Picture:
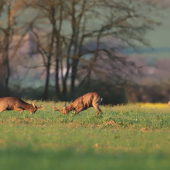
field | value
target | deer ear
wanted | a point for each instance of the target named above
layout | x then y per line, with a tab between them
64	105
33	104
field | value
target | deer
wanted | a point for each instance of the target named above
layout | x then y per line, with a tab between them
91	99
11	103
169	103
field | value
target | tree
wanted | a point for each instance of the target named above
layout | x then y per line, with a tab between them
82	28
10	10
46	44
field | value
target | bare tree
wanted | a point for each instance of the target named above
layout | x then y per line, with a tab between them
10	11
125	21
79	29
50	12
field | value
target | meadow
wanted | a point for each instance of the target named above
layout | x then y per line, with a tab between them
132	136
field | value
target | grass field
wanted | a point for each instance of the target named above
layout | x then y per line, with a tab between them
132	136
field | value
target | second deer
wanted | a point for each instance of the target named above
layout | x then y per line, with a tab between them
11	103
82	103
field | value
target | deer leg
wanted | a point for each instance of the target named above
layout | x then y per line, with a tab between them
18	109
96	106
78	110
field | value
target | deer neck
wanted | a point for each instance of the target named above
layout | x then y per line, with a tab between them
70	107
27	106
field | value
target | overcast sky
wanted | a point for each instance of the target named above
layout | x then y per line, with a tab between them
160	37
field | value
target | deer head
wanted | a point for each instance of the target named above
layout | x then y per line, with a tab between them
63	111
35	108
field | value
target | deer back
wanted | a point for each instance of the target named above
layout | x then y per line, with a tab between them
11	102
87	100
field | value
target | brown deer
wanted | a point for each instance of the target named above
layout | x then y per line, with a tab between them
82	103
11	103
169	103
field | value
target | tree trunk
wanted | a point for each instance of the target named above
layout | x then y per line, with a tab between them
64	87
7	63
6	52
74	74
45	95
57	86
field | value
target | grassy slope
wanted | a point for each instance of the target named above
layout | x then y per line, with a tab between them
123	137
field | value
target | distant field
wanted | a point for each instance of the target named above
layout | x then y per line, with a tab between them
132	136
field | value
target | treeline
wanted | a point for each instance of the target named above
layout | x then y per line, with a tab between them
79	41
150	92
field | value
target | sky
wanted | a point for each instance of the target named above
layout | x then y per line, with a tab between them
159	39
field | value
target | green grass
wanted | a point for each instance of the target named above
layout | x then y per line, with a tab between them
123	137
129	116
70	160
